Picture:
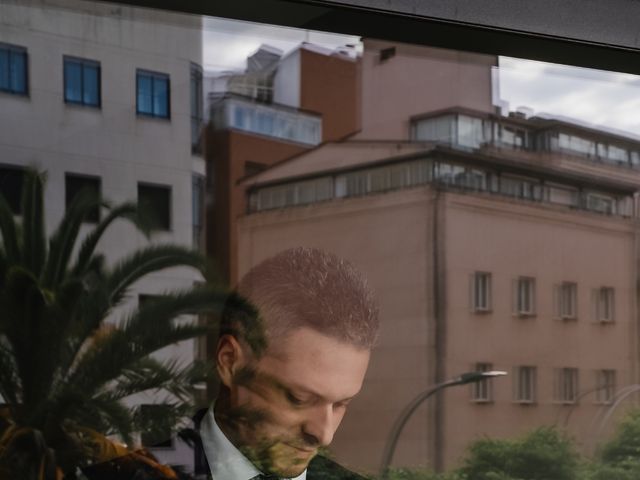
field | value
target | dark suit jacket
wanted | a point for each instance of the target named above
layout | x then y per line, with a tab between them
320	468
130	467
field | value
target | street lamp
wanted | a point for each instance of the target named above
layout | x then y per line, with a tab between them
390	447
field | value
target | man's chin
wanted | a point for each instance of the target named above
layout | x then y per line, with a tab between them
290	461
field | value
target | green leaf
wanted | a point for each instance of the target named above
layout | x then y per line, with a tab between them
33	236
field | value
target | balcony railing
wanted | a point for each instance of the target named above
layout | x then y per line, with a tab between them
269	120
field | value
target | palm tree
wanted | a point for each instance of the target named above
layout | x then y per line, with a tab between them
64	371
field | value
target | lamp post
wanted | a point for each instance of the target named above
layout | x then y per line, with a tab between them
390	447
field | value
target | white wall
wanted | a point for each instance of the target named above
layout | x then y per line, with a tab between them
111	142
286	84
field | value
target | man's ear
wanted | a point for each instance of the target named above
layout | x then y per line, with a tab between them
230	357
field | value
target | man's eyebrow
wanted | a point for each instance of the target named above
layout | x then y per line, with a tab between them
304	390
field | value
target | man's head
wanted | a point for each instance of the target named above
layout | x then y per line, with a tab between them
320	322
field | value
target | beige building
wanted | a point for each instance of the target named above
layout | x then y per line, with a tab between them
280	106
101	96
493	242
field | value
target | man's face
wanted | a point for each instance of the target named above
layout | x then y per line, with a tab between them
291	400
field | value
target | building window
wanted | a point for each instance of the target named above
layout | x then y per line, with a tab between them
11	181
565	300
603	300
82	81
157	434
153	94
196	108
197	211
482	391
566	385
89	185
13	69
155	202
605	385
525	384
481	292
524	296
600	203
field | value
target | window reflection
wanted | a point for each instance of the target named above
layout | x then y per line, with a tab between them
496	238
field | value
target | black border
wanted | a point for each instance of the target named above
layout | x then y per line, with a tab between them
367	22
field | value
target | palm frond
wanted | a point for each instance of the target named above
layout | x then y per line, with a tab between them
127	211
149	260
168	376
106	415
159	422
64	238
147	330
10	387
9	233
33	235
145	374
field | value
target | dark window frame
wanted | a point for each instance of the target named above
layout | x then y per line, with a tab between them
164	444
95	216
196	80
153	75
12	49
83	62
168	225
15	204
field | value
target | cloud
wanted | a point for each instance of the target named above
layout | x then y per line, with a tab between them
594	96
227	43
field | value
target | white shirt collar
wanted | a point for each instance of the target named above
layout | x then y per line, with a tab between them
225	460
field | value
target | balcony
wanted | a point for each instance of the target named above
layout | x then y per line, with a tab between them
265	119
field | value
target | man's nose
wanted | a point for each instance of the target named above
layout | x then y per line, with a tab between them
320	425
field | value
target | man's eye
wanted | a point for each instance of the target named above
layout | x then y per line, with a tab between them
292	399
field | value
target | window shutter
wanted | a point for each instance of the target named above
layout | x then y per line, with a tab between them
533	297
472	295
556	302
595	305
515	294
613	305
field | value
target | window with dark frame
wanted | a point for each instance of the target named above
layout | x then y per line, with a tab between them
605	386
196	108
566	385
565	300
11	182
481	292
197	210
482	391
155	201
525	384
86	185
82	82
152	94
603	303
13	69
165	440
525	296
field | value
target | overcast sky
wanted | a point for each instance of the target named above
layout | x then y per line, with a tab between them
599	98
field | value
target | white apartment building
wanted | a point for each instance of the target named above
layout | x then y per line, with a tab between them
107	96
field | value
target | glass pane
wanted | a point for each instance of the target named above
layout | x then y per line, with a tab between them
73	81
91	82
145	89
18	72
4	69
161	97
483	208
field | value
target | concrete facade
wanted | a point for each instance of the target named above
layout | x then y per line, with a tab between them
422	217
309	84
112	142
